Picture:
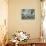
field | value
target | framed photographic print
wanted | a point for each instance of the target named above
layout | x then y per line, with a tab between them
28	14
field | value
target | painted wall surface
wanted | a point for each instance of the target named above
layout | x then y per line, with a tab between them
16	23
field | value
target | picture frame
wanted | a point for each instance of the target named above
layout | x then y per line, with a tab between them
28	13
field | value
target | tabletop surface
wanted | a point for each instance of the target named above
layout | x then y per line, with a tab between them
33	41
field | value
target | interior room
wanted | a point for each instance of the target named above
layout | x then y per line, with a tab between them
22	22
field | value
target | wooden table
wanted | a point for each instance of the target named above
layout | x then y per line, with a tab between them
10	44
33	42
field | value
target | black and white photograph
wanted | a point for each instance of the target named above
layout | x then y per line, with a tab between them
28	13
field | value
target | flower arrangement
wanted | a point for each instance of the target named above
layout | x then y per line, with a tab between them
21	36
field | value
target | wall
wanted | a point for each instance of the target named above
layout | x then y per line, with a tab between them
15	21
